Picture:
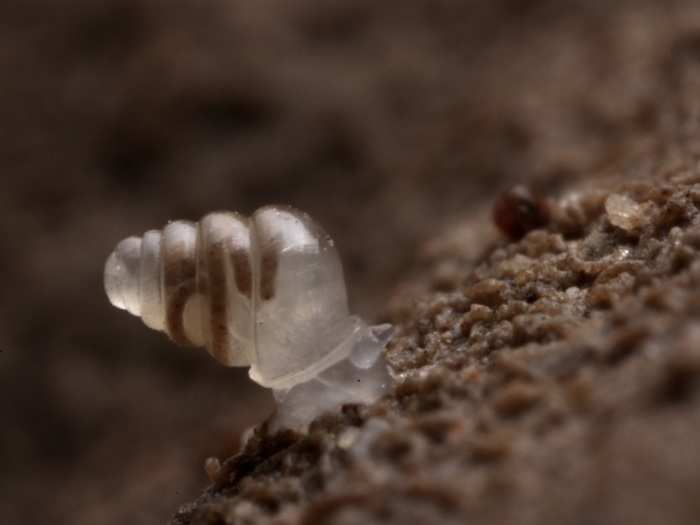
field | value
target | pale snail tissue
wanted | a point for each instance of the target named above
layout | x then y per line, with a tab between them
266	292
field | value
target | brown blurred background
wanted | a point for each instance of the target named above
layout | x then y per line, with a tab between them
386	121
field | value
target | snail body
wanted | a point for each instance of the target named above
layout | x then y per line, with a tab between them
266	292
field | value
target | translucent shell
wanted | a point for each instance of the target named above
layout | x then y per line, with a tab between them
266	291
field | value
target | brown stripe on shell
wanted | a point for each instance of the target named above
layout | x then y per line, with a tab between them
179	284
240	257
269	260
218	301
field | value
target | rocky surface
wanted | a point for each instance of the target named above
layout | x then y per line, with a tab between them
547	378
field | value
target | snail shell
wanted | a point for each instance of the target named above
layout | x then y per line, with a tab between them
266	291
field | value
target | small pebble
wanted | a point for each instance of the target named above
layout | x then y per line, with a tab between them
518	211
212	466
625	213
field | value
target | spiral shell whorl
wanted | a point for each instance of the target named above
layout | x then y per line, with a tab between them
122	275
224	284
179	281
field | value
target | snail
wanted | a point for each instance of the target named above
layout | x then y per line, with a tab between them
266	292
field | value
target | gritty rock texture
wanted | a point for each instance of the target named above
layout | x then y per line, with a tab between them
554	380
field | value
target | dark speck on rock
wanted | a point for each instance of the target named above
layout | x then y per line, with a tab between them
519	211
